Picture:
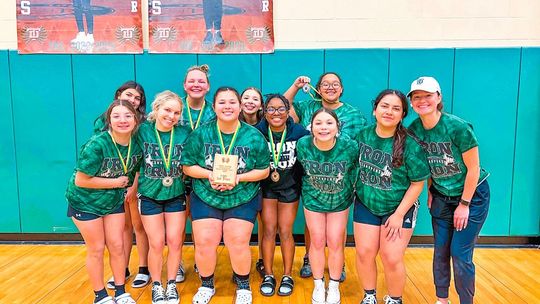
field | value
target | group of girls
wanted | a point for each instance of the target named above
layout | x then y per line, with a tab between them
320	150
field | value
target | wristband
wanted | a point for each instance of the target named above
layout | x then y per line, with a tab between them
464	202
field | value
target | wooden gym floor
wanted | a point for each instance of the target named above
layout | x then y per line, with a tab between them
56	274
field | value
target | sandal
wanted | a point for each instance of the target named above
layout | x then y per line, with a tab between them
268	286
286	286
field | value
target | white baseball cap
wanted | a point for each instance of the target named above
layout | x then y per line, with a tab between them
425	83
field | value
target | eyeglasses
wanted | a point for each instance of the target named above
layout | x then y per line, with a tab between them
272	110
335	85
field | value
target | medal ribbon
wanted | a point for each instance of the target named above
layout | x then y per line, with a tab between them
276	156
167	159
198	118
125	163
307	89
232	141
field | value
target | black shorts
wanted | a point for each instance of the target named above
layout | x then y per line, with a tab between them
149	206
283	196
247	212
363	215
86	216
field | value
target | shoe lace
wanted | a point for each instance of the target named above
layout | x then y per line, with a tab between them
369	299
388	300
171	292
158	292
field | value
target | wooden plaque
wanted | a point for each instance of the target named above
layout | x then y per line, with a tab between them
224	171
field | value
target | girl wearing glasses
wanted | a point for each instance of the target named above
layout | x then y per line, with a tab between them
329	89
329	164
280	191
225	209
392	171
106	167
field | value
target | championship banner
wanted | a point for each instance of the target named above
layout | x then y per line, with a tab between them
210	26
79	26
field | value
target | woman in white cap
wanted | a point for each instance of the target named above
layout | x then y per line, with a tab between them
459	193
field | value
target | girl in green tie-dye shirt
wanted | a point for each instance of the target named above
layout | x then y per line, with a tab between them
106	167
329	164
392	170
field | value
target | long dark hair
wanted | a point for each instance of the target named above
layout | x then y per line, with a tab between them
260	113
400	135
141	109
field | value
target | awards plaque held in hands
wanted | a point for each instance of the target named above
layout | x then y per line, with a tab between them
225	167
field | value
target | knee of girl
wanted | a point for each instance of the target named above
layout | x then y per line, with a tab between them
365	254
116	249
95	251
269	231
157	245
285	234
391	261
318	243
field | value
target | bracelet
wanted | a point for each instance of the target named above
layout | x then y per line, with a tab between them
464	202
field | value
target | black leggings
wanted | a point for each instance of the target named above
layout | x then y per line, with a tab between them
213	12
81	7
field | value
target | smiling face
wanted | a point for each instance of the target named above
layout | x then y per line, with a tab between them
425	103
122	120
196	84
330	88
168	114
276	113
389	111
324	127
131	95
251	102
227	106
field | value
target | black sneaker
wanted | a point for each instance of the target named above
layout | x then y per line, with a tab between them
172	293
158	294
305	271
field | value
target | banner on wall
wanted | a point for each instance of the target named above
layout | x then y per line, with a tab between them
210	26
79	26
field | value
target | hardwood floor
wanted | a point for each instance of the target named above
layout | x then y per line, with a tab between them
57	274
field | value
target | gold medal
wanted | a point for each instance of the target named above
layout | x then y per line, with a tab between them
167	181
274	176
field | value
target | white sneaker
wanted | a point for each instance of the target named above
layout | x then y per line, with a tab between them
203	295
333	296
81	36
106	300
388	300
125	298
180	274
110	283
158	294
90	38
172	294
319	293
243	296
369	299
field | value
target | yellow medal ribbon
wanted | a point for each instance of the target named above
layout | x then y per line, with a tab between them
198	118
307	89
232	141
276	156
167	159
125	163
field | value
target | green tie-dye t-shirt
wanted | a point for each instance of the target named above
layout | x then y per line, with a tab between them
328	176
252	151
207	115
379	186
153	166
350	118
444	145
98	157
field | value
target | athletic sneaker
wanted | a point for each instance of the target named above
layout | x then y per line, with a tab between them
343	275
208	38
243	296
172	294
203	295
369	298
106	300
388	300
158	294
333	296
81	37
124	298
305	271
218	39
319	294
180	274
